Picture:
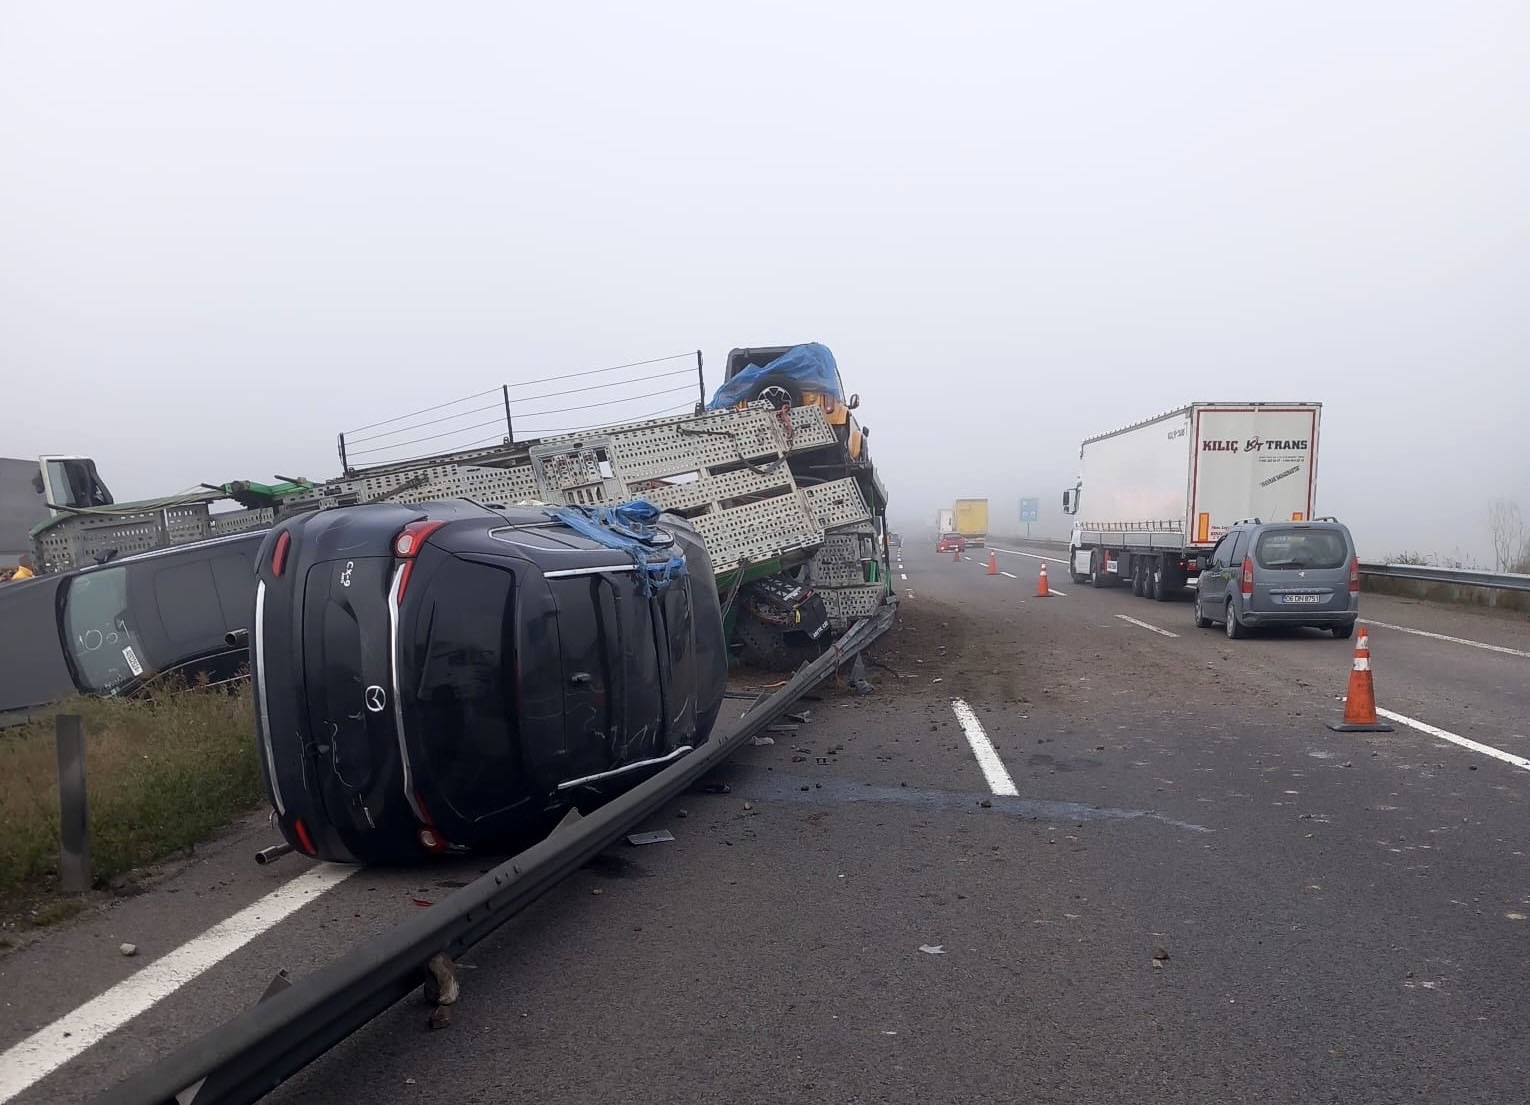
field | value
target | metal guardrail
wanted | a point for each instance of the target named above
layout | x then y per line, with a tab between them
1461	577
261	1048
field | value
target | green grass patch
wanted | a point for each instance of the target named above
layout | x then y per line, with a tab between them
162	774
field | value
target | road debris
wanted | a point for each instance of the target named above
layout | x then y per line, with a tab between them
129	949
658	836
1160	957
933	949
759	742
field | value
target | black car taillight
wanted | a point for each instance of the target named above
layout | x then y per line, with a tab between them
279	553
407	545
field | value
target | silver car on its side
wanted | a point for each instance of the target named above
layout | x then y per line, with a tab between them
1281	573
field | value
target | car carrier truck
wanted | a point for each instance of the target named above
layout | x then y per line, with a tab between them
1152	499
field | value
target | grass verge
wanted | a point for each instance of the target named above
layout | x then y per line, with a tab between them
162	774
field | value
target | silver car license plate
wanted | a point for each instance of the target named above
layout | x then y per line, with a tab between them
1304	598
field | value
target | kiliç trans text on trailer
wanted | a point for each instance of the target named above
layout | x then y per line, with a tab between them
1152	499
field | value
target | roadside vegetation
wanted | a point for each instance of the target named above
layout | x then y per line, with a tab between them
162	774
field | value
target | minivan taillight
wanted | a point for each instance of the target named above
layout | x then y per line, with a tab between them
279	553
1248	576
1354	575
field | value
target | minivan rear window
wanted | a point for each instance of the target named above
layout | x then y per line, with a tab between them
1293	549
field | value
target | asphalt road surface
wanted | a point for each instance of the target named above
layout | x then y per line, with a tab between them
1058	856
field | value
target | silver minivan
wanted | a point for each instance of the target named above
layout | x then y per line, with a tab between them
1281	573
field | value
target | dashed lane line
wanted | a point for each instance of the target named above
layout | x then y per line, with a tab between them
987	757
1146	625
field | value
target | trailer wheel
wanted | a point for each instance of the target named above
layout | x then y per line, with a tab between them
1139	577
1168	580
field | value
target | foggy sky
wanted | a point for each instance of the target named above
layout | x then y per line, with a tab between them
231	231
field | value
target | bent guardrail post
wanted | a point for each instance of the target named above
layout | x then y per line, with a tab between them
261	1048
73	812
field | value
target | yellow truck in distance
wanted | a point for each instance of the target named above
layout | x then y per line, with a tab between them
972	520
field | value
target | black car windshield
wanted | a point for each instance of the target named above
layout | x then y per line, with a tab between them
99	634
1300	548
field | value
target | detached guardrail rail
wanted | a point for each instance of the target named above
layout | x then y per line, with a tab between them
258	1050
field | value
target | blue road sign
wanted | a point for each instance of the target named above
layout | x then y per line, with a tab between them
1030	510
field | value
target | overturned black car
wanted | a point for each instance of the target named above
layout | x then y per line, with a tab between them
449	676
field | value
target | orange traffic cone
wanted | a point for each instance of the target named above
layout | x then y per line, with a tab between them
993	563
1043	588
1360	703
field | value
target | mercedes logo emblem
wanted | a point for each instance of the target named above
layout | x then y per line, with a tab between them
377	698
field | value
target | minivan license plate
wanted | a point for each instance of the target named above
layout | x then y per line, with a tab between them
1304	598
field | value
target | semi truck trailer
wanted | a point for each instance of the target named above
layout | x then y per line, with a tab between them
1153	498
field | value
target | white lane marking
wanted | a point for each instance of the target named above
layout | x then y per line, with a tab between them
49	1048
1453	640
1145	625
988	759
1033	556
904	575
1444	734
1010	574
1062	594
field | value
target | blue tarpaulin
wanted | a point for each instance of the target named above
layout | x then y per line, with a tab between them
810	366
629	528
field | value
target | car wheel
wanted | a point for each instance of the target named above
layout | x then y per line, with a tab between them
778	391
1201	621
1344	632
1235	628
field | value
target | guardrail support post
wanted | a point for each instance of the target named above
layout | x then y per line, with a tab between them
74	823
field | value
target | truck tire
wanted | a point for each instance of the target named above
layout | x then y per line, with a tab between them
1098	576
1235	628
1139	577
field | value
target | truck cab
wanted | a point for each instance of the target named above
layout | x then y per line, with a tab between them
34	490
